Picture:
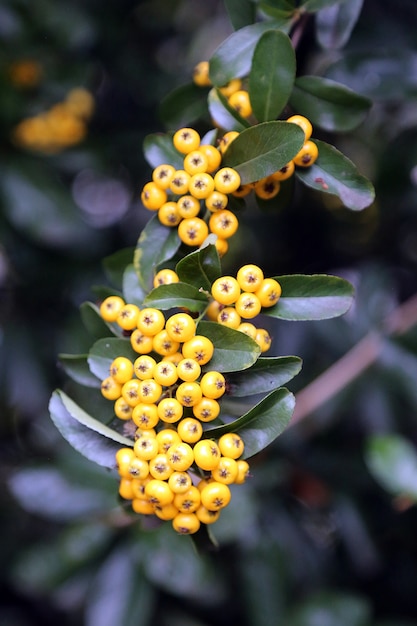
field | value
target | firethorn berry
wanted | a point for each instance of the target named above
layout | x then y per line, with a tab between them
179	182
267	188
180	456
201	74
231	445
146	448
205	516
303	123
165	373
213	384
128	316
121	369
215	496
213	310
227	139
190	430
143	366
242	191
188	206
186	523
242	471
239	100
141	343
225	290
186	140
152	196
248	329
111	307
123	457
248	305
195	162
188	370
122	410
216	201
263	339
174	358
150	321
158	492
162	175
249	277
206	410
144	507
206	454
139	468
125	489
201	185
189	501
149	391
226	180
170	410
163	344
193	231
285	172
165	277
111	389
268	292
130	391
180	327
169	214
223	223
214	157
199	348
179	482
145	416
229	317
159	467
233	85
166	512
166	438
226	471
188	394
307	155
221	246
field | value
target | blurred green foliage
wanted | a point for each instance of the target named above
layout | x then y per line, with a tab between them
324	533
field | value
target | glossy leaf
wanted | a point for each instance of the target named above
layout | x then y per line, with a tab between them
133	291
177	295
104	351
233	58
267	374
183	105
278	9
272	75
223	114
159	149
157	244
115	264
233	350
262	424
76	367
241	12
200	268
329	104
263	149
311	297
312	6
392	460
84	433
94	323
334	24
334	173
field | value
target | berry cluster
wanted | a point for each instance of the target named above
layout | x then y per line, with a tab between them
194	198
237	97
172	471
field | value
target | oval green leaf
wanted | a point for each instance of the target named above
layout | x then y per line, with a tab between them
262	424
183	105
241	12
278	8
104	351
311	297
84	433
233	350
200	268
272	75
334	24
223	114
392	460
267	374
263	149
334	173
133	291
159	149
329	104
76	367
312	6
177	295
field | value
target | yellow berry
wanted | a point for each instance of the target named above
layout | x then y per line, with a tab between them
206	410
186	140
145	416
150	321
213	384
249	277
188	370
214	157
180	327
231	445
225	290
248	305
164	345
303	123
142	344
179	182
233	85
162	175
165	277
188	393
206	454
267	188
268	292
226	180
169	215
199	348
143	366
216	201
111	389
188	206
165	373
226	472
170	410
152	196
239	100
215	496
128	316
285	172
186	523
190	429
307	155
195	162
193	231
229	317
201	74
121	369
111	307
227	139
223	223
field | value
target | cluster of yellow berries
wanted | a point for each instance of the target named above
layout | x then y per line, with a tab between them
235	93
61	126
194	198
171	472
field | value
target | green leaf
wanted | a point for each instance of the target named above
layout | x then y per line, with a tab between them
200	268
84	433
159	149
262	424
278	9
94	323
233	58
133	292
223	114
312	6
177	295
241	12
233	350
104	351
183	105
329	104
334	173
334	24
115	264
157	244
263	149
267	374
272	75
311	297
392	460
76	366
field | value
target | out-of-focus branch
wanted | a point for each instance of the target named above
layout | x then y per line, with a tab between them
354	362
